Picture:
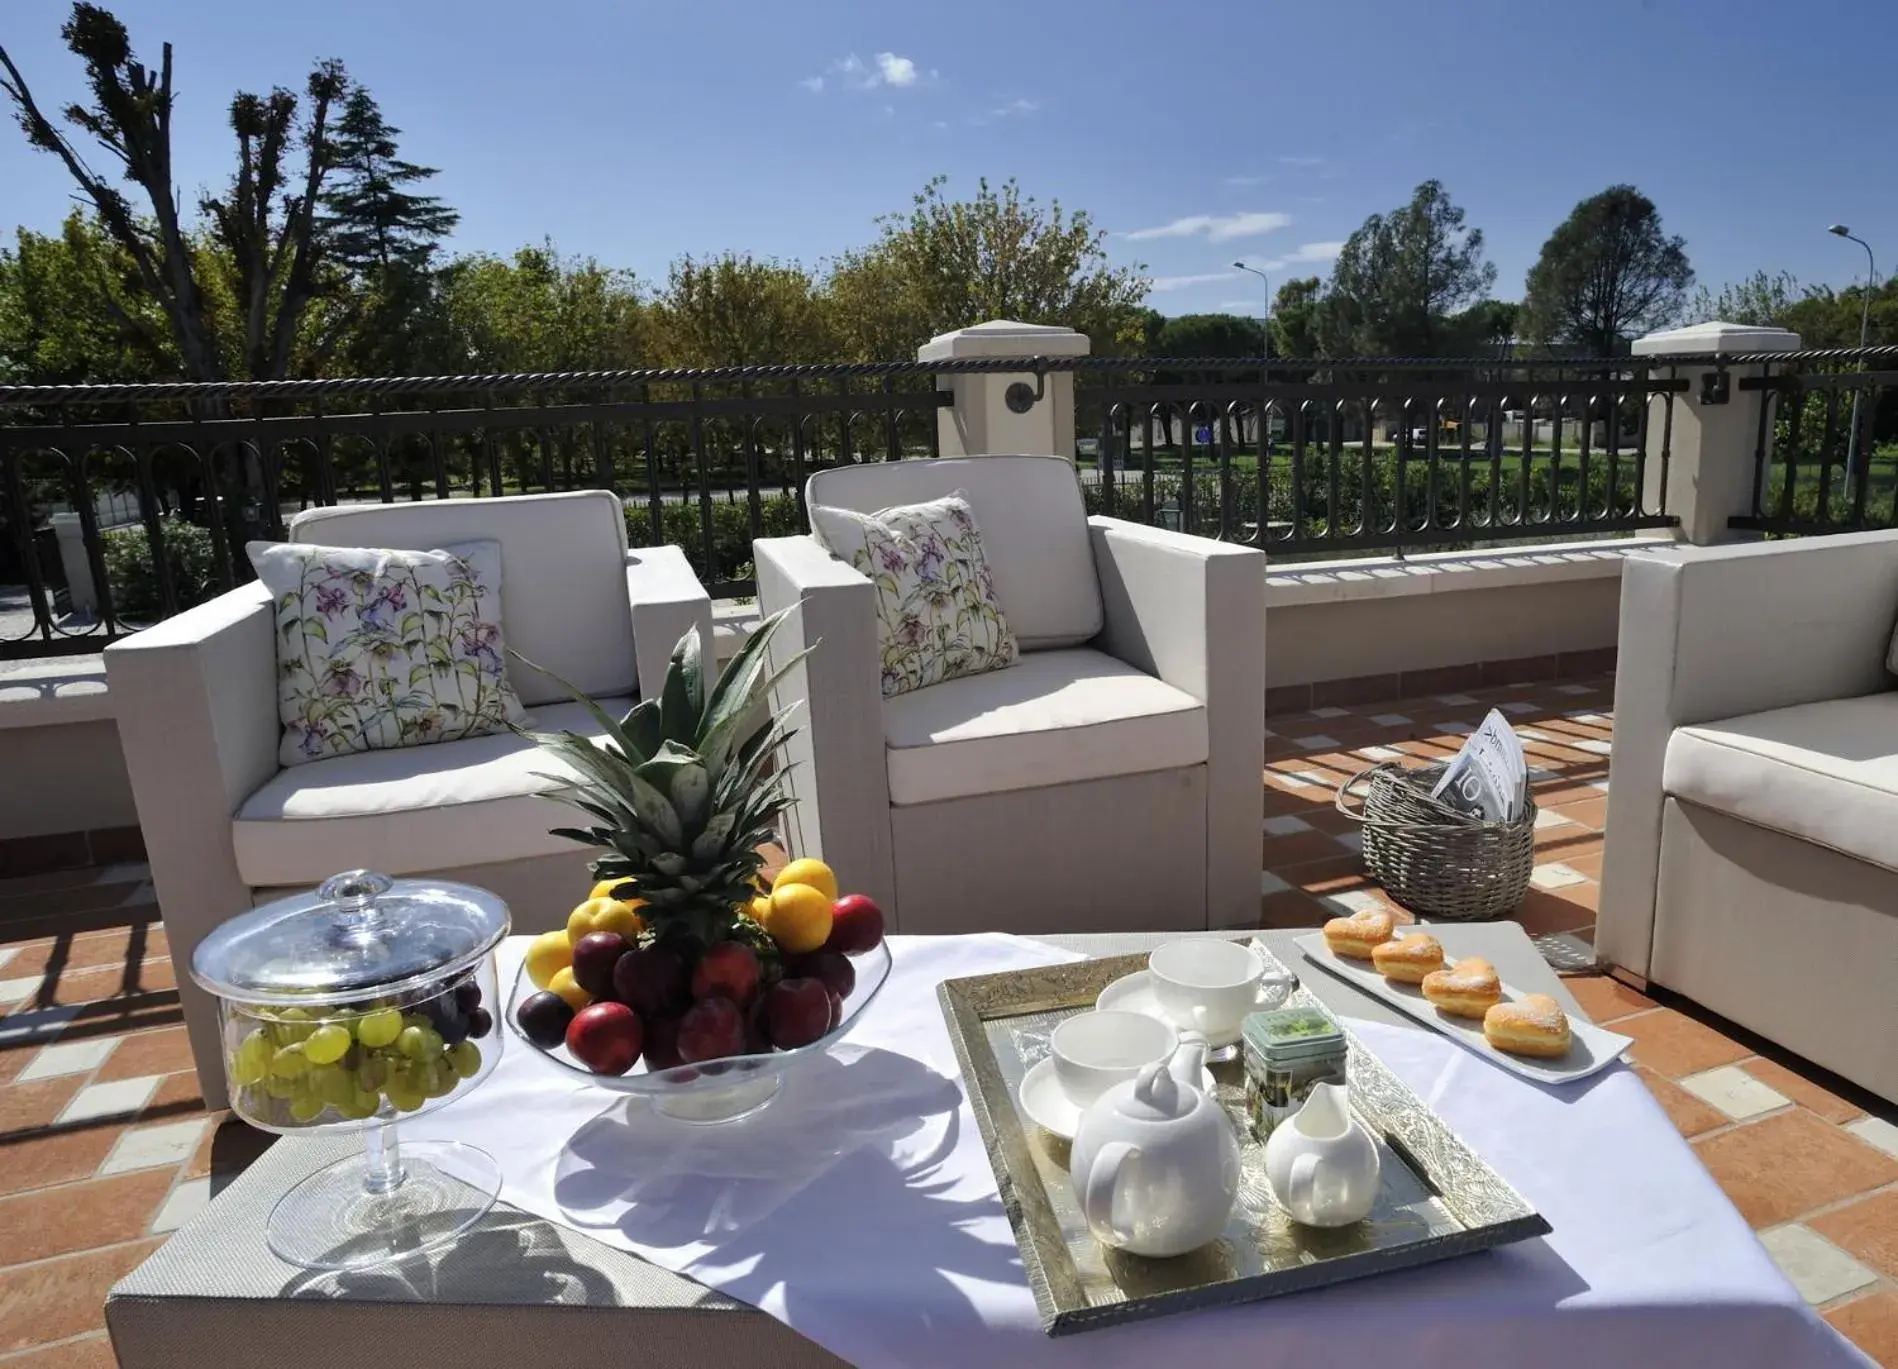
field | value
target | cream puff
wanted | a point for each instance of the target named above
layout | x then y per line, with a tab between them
1360	934
1532	1025
1408	958
1468	988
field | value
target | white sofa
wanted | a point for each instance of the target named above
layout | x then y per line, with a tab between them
1110	781
1751	860
225	827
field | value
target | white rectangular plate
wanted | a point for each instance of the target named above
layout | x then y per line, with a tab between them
1590	1048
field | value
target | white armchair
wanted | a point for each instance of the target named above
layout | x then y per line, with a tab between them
1110	781
225	827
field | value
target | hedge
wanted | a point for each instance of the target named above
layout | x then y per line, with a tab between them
132	572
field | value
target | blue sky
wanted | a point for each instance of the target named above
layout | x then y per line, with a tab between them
1196	132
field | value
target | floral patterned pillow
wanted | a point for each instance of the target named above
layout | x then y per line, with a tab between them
937	615
380	649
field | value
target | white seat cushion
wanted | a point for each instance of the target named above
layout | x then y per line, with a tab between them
563	576
1825	773
1055	718
420	808
1034	531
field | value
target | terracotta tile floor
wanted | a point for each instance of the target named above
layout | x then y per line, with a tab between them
105	1144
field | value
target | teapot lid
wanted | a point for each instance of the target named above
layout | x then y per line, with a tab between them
1156	1096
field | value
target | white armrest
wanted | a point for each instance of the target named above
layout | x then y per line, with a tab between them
668	601
841	780
1718	632
196	702
1192	611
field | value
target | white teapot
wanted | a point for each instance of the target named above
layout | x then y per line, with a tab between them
1321	1163
1154	1163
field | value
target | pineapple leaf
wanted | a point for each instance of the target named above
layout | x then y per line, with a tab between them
655	810
607	722
711	842
737	688
587	836
681	776
643	728
716	742
683	699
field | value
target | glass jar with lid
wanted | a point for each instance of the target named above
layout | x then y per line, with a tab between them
347	1007
1287	1051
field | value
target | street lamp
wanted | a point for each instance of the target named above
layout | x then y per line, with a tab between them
1864	320
1265	329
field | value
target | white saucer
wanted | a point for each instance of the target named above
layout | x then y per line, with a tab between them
1134	993
1050	1108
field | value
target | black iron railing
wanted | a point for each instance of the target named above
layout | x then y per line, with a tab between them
1343	457
1825	453
1301	457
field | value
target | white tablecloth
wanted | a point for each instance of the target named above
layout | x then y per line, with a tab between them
860	1210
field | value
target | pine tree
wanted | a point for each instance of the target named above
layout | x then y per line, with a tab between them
374	223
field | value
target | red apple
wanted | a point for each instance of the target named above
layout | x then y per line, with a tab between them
856	925
796	1012
757	1037
711	1029
728	970
594	956
662	1044
605	1037
652	982
833	967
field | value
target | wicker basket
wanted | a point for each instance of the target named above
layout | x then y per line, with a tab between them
1432	859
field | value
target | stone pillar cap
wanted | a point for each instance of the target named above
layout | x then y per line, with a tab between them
1716	337
1005	338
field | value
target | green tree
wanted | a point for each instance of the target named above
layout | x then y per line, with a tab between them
1760	301
739	311
72	311
374	221
264	225
538	311
1295	317
1487	328
1208	335
1606	274
1402	274
949	263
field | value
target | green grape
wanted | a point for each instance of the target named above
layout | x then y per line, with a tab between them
279	1087
293	1025
379	1028
328	1044
439	1080
403	1099
466	1058
420	1043
290	1062
360	1105
306	1106
251	1061
333	1084
372	1073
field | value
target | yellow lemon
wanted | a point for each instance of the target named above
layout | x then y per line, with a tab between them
799	920
605	888
580	920
760	909
813	873
547	954
563	984
621	916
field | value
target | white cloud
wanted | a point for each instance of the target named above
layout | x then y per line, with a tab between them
1216	227
1240	182
894	70
1182	282
1306	254
886	69
1243	306
939	124
1016	106
1301	161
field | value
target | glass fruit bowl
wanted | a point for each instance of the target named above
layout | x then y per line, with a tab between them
717	1090
344	1009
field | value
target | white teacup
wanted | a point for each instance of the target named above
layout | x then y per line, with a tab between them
1093	1051
1206	984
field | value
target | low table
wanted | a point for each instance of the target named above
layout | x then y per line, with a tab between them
520	1290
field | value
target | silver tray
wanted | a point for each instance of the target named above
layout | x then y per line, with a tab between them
1438	1200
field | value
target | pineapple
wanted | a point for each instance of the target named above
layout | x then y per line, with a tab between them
681	800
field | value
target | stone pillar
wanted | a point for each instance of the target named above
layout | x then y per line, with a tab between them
72	559
983	423
1712	445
